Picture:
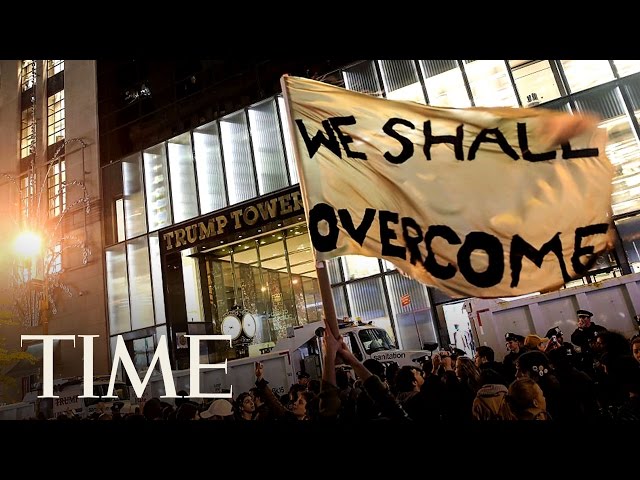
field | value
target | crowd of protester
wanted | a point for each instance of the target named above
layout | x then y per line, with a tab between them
596	377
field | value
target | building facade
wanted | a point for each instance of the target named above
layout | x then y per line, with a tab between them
50	191
177	197
206	219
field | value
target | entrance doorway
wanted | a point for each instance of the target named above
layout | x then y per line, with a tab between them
459	327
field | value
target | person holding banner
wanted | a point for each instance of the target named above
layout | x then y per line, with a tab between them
482	202
477	202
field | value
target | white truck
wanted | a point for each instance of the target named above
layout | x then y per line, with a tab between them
240	377
18	411
301	350
366	341
614	302
68	390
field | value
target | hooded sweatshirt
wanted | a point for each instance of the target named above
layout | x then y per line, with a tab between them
491	404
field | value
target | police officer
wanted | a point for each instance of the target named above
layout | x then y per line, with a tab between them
515	346
583	338
556	341
303	379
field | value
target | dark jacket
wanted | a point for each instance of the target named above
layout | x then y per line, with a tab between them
387	404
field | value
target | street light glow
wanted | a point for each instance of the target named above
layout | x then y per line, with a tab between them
28	244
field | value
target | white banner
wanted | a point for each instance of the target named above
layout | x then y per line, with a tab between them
472	201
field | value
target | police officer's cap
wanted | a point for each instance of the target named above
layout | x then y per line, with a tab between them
513	336
584	312
554	331
303	375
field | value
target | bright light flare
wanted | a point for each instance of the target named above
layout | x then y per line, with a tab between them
28	244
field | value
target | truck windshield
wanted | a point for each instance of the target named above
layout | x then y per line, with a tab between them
375	339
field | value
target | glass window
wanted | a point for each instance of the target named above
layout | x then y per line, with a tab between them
27	195
313	300
268	150
627	67
113	204
300	256
358	266
156	279
54	66
27	133
560	104
119	207
340	302
398	286
183	182
375	339
628	229
113	341
206	143
272	255
622	146
55	118
299	296
117	289
388	266
143	351
631	167
444	83
238	164
363	78
333	267
286	130
27	74
192	290
139	283
156	181
400	79
56	188
413	320
583	74
535	81
490	83
245	262
367	301
133	191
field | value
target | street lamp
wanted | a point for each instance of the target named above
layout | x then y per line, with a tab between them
28	246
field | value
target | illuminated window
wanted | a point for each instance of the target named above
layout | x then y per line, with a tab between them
28	74
627	67
628	160
143	350
444	83
27	133
56	189
490	83
622	146
628	231
400	79
27	194
55	118
358	266
363	78
54	66
535	81
120	220
583	74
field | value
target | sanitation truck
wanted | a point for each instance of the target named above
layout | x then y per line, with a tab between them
615	302
299	351
68	390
